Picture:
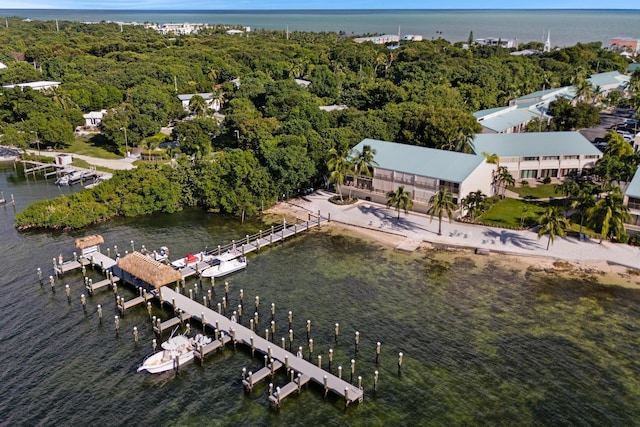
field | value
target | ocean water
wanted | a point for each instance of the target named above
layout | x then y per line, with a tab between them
482	344
567	27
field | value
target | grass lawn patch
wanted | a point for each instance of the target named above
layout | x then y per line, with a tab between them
542	191
513	213
93	147
83	164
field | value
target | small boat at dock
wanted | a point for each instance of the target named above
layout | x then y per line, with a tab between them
176	351
225	267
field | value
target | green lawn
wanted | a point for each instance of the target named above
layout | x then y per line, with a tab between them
89	147
513	213
541	191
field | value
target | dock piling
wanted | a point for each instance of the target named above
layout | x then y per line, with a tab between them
290	339
67	290
337	331
400	357
310	348
357	341
290	319
39	271
353	369
99	313
52	282
308	328
330	358
83	301
116	321
135	334
377	351
326	387
154	343
375	382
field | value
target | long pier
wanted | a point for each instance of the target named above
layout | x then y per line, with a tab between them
277	233
245	336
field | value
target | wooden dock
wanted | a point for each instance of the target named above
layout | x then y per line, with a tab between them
263	238
294	386
272	366
178	320
95	259
125	305
92	287
212	346
245	336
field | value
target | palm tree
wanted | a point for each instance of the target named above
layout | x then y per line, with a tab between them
213	74
198	105
339	165
491	158
569	189
363	162
582	203
504	179
584	90
462	143
440	203
553	223
609	214
474	203
400	199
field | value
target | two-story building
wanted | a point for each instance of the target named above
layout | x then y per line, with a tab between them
540	154
423	172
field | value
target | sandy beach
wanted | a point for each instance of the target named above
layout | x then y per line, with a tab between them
606	263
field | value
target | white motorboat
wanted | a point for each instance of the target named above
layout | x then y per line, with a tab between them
176	350
75	176
63	180
161	255
225	267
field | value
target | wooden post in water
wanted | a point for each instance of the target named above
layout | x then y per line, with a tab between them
400	356
377	351
375	382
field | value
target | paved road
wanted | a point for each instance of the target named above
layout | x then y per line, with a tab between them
420	228
115	164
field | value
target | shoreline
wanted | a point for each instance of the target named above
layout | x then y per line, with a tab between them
601	272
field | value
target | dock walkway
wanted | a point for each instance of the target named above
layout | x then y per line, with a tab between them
277	233
244	335
95	259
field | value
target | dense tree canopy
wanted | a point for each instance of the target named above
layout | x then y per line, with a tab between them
274	139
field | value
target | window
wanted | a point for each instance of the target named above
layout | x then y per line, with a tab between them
634	203
571	157
451	186
530	159
551	173
528	174
550	157
592	156
569	172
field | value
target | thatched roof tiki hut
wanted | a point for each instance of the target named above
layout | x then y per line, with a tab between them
140	270
89	244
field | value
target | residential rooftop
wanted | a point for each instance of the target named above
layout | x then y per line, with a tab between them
430	162
535	144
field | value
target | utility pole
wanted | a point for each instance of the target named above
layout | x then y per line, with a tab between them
126	144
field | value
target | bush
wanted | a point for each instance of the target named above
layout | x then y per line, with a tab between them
546	180
623	238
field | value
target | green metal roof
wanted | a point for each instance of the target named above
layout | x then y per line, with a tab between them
608	79
430	162
634	186
534	144
507	120
482	113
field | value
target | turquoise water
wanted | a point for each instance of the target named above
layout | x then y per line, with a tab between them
567	27
483	344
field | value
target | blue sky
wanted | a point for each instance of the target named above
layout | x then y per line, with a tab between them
312	4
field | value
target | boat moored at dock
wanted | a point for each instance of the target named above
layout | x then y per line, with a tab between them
226	267
176	351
